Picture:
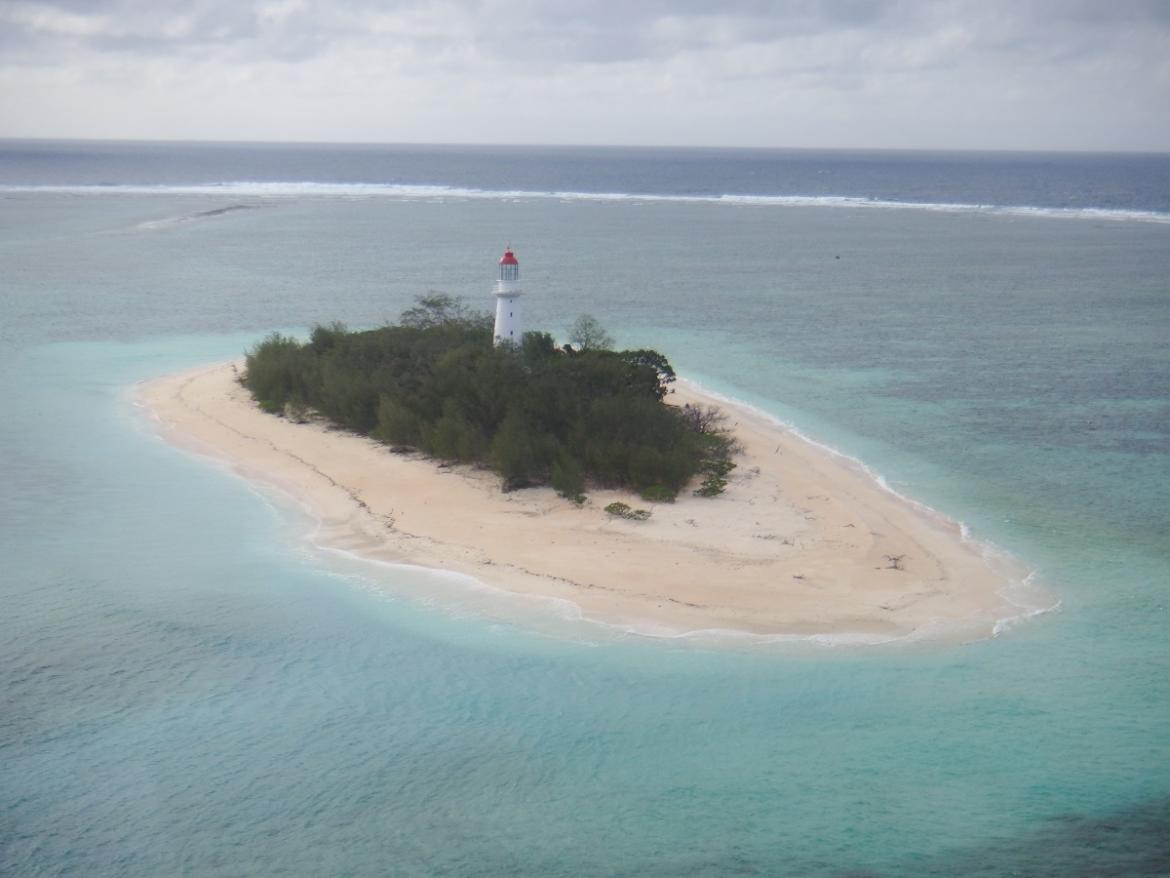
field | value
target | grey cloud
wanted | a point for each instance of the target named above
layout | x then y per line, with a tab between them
148	28
436	63
603	31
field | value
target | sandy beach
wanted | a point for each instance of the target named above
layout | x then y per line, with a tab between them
804	542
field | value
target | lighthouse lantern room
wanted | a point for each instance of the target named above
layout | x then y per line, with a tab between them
508	328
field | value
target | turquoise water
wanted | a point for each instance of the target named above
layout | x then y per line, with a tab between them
190	688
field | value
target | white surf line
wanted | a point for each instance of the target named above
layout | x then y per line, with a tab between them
279	189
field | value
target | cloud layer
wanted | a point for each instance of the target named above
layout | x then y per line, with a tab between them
1046	74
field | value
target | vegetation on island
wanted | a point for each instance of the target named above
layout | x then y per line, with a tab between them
623	510
572	417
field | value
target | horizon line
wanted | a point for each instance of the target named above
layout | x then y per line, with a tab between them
599	146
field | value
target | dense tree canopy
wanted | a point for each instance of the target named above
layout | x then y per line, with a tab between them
534	413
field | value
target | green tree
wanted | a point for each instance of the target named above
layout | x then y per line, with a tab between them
536	347
397	425
453	438
274	372
662	371
511	452
588	334
568	479
326	338
440	309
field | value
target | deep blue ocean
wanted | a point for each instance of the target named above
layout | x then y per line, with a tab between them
189	687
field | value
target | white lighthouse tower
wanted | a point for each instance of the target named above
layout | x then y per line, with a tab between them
508	328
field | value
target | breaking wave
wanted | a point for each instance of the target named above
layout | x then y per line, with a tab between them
288	190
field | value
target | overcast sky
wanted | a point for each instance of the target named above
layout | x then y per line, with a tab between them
1028	74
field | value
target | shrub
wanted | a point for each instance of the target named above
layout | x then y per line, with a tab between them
658	494
397	425
453	438
511	452
711	487
274	372
718	467
568	480
296	411
623	510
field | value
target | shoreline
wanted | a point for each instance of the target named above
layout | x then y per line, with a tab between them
800	546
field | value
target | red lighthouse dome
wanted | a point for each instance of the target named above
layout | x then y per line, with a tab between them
509	267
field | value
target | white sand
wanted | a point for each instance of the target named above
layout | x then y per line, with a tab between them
799	544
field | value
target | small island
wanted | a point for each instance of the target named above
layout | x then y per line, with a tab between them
627	493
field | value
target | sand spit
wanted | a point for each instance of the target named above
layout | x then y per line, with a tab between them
804	543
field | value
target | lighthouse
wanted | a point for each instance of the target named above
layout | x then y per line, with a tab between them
508	329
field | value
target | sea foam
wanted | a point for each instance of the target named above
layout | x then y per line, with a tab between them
288	190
